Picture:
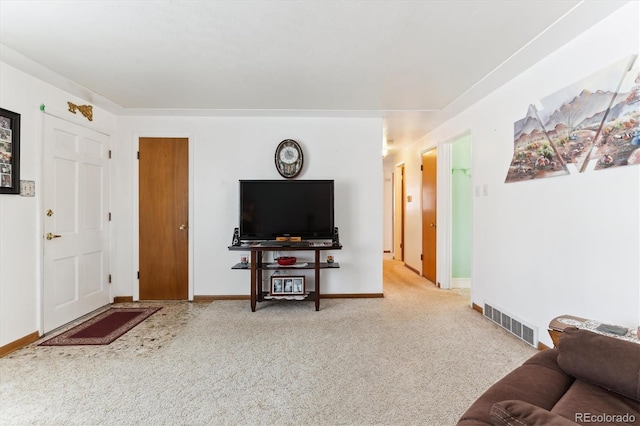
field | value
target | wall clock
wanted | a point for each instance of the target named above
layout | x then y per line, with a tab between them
289	158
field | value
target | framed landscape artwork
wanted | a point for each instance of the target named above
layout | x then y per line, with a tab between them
592	124
9	152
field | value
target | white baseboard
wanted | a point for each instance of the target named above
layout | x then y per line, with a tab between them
460	282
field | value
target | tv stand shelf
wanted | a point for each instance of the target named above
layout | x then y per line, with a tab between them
256	266
272	267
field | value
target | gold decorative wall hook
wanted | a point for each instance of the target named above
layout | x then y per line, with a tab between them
86	110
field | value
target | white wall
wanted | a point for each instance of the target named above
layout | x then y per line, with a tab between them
225	150
566	245
20	217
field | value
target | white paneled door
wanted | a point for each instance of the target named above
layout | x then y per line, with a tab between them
76	241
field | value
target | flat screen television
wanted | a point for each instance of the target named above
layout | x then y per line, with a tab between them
286	208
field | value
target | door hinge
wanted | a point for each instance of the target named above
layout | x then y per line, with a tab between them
109	216
138	155
421	258
138	274
109	278
421	167
109	154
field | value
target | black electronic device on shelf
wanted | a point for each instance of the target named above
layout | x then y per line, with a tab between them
235	241
293	210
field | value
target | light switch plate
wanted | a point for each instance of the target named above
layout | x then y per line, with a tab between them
27	188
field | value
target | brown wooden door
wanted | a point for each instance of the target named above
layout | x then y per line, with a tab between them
429	192
164	213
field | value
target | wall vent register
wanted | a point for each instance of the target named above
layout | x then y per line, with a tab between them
513	325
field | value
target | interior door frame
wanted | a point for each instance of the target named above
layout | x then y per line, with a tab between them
444	212
136	199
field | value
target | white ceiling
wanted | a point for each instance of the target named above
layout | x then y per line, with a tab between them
415	63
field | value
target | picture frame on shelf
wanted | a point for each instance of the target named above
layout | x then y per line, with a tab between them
9	152
287	285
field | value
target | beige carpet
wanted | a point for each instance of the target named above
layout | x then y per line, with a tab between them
419	356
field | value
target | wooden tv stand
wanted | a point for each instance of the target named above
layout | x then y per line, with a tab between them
257	266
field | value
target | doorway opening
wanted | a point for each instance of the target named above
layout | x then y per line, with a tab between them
399	212
455	214
461	212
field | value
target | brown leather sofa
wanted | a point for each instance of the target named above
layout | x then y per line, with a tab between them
590	379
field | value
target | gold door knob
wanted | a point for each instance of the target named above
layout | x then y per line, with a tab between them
182	227
51	236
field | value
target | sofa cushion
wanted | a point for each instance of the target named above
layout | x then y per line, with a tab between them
588	404
520	413
539	381
604	361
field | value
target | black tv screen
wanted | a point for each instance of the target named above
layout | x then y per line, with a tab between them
286	208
